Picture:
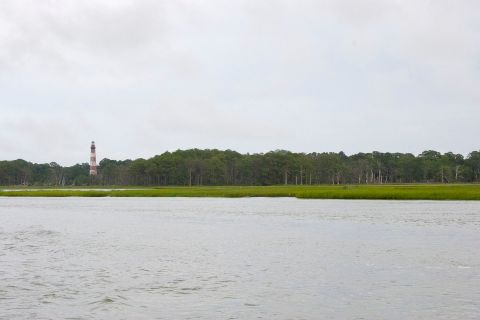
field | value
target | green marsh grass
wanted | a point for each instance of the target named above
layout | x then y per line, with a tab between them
384	192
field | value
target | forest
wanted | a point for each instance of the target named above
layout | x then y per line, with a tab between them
213	167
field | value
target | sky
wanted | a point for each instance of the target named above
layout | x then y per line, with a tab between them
143	77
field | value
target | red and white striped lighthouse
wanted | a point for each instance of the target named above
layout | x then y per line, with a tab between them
93	160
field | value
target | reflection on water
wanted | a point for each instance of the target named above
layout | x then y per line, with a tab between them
114	258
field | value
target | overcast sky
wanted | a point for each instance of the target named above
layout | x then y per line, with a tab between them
143	77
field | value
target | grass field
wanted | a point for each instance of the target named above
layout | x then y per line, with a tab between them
386	192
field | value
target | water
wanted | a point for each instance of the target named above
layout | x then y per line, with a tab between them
131	258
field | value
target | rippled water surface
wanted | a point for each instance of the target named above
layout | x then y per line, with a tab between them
262	258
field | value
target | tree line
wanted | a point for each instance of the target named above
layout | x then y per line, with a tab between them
217	167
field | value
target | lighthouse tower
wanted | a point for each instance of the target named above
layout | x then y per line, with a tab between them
93	160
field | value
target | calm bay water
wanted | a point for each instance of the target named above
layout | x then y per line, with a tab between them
262	258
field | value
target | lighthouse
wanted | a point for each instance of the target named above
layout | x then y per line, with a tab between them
93	160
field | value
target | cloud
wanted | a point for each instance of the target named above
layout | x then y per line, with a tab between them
142	77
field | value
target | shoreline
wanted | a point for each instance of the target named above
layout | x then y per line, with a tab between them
370	192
